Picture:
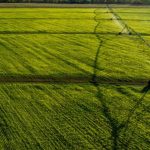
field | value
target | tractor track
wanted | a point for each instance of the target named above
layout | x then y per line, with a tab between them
47	32
71	79
104	19
96	81
115	126
125	26
68	79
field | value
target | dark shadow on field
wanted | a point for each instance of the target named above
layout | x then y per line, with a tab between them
115	126
105	109
61	32
55	32
103	19
51	18
118	130
47	12
69	79
83	12
130	30
66	109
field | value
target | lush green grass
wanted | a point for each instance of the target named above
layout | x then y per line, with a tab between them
60	117
59	54
133	10
147	38
138	19
60	42
142	27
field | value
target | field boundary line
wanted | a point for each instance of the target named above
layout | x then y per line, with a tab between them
104	19
115	126
47	32
66	79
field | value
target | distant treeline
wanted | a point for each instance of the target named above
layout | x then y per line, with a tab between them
80	1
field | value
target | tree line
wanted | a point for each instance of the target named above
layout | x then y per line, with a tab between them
81	1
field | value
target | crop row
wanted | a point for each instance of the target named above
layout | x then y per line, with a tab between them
121	56
60	117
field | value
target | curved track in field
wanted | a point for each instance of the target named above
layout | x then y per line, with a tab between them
115	126
68	79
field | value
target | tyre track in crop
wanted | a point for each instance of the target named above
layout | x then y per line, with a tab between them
118	20
63	32
67	79
130	30
116	127
55	18
127	139
72	79
104	108
67	33
132	111
56	12
102	19
113	124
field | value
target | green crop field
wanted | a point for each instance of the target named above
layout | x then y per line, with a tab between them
75	78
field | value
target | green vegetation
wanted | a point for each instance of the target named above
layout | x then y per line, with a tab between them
60	117
50	44
90	44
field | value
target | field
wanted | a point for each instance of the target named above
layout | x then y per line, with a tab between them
75	78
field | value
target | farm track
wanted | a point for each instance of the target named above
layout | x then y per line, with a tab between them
70	79
47	32
66	79
115	126
105	109
7	12
126	27
112	122
109	19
